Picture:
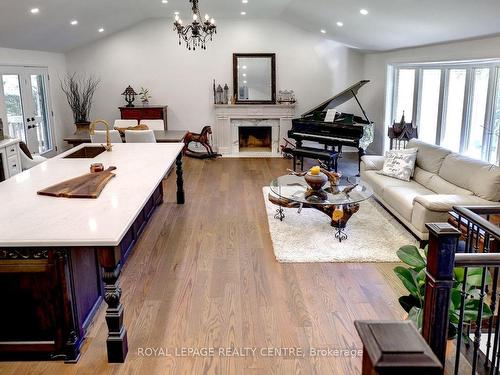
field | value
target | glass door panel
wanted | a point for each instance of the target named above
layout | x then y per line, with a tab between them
11	85
429	106
478	114
405	92
494	152
38	129
450	137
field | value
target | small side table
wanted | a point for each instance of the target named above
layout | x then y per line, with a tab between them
402	139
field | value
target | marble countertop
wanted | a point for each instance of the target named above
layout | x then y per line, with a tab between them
8	141
28	219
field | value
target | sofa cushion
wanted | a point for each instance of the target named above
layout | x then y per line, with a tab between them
401	197
422	176
480	177
379	182
445	202
441	186
429	157
372	162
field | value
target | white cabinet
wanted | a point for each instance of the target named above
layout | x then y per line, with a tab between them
10	158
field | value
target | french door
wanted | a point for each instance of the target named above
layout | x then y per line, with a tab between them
25	98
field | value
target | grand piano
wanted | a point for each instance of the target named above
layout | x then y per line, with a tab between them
345	130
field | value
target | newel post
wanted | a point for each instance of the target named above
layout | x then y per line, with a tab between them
443	239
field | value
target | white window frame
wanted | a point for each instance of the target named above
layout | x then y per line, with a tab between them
492	64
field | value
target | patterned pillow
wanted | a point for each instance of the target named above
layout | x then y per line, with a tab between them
399	163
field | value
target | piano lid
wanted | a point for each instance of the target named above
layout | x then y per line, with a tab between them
338	99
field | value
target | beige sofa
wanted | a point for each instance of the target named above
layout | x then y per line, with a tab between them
442	179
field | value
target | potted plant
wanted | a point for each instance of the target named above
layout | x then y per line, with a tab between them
413	279
145	96
80	91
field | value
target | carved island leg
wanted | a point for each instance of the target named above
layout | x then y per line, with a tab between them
180	180
117	345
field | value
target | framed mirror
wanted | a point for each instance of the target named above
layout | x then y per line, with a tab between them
254	78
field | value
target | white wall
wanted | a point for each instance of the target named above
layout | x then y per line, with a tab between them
56	63
375	69
149	55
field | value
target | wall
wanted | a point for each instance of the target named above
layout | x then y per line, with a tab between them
375	69
56	64
148	55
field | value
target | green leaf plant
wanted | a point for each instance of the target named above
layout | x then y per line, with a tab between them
413	278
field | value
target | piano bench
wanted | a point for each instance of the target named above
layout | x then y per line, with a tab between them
330	157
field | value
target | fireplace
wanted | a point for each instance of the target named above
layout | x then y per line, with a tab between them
255	138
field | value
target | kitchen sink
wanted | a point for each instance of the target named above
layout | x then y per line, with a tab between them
87	152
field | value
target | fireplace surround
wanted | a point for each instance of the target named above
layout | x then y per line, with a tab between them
236	125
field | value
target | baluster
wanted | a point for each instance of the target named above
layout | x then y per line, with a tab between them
460	327
477	333
492	304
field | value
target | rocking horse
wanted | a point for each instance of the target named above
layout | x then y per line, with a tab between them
203	139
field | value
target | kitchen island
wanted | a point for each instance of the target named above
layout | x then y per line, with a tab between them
60	257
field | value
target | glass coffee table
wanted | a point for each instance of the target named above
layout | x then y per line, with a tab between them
339	202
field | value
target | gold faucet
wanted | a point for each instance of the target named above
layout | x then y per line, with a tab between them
108	146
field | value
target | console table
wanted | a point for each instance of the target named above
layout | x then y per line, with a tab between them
148	112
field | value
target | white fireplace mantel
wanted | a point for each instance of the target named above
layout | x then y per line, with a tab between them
226	128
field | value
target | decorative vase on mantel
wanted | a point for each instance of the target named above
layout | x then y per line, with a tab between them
82	128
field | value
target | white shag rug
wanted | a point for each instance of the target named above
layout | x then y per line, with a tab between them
374	235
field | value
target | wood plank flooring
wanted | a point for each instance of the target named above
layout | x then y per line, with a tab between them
204	275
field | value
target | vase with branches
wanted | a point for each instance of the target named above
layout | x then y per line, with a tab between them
79	91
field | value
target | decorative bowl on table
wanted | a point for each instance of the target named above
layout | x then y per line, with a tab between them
316	181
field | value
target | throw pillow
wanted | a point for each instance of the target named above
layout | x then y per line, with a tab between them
399	164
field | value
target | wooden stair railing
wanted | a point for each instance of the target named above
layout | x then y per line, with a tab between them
482	239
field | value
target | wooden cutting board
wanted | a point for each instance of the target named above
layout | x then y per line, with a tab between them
88	185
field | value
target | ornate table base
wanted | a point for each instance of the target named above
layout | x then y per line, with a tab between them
339	214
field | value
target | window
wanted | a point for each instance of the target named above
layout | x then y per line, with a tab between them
455	105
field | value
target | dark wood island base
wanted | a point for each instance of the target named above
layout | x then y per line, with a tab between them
52	294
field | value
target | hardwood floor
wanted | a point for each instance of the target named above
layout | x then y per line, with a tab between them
204	275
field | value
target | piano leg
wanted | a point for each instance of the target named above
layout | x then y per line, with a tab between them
361	152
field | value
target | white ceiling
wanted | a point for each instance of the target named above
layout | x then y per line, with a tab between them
390	24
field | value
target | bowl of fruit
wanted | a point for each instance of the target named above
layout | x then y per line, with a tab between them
315	178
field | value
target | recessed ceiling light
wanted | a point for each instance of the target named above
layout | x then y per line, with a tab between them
243	13
176	13
164	1
35	10
244	66
340	24
244	81
323	31
364	12
244	1
244	74
74	22
101	30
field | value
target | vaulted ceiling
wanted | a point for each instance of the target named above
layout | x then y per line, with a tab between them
389	24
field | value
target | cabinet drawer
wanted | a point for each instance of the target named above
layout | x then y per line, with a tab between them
11	150
14	165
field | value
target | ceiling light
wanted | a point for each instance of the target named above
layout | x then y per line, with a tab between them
244	81
364	12
35	10
340	24
198	32
244	74
244	66
243	13
244	1
101	30
164	1
323	31
74	22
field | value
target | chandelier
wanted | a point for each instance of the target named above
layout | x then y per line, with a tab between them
197	33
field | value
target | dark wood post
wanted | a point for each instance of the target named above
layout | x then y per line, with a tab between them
443	240
180	180
117	343
395	348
